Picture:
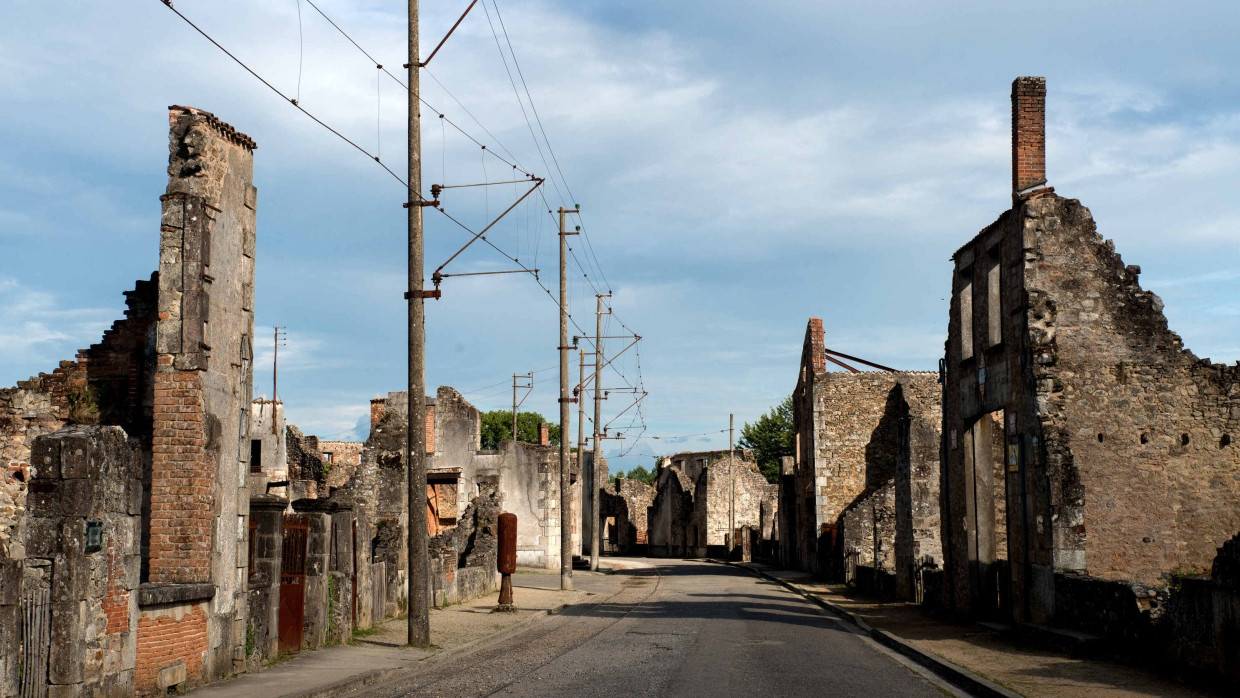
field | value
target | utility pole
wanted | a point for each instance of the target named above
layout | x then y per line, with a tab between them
732	483
275	369
595	505
581	407
515	404
566	495
417	536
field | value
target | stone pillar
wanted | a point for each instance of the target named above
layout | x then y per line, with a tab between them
266	547
341	603
1028	133
85	507
328	614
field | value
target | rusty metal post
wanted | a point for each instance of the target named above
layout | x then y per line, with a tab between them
506	561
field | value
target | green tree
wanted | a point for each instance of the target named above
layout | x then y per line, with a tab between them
639	473
770	438
497	428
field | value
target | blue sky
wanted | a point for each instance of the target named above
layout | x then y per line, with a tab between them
741	168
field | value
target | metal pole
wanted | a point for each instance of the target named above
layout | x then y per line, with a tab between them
595	509
417	537
275	362
732	483
566	495
514	407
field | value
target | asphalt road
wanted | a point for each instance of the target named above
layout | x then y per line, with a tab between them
676	628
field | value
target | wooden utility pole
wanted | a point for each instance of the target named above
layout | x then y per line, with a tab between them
595	505
732	484
566	492
581	406
417	536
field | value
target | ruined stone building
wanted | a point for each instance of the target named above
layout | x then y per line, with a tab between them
696	493
467	488
126	468
625	510
865	476
1089	456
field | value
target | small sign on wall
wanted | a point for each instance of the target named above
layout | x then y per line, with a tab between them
94	537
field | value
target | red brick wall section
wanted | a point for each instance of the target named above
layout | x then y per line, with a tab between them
815	345
1028	133
168	636
430	428
116	603
182	475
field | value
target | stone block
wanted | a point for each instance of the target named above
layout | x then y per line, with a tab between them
171	675
65	653
45	457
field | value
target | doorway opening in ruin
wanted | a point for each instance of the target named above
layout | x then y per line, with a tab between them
986	515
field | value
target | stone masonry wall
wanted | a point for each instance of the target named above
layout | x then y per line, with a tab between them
89	476
1138	421
105	385
199	494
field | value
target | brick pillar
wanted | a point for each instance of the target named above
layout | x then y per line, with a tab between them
378	407
815	346
1028	133
544	434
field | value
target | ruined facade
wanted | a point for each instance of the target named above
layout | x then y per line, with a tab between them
698	493
625	510
866	470
1085	446
172	381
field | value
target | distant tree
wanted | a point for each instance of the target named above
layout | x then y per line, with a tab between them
639	473
497	428
770	438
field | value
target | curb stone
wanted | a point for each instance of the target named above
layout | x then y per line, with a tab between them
961	677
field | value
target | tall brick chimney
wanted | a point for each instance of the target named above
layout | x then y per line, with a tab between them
1028	134
544	434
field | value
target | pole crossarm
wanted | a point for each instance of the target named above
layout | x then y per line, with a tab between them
631	406
607	363
444	40
479	235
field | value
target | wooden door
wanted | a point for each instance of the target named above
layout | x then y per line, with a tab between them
293	583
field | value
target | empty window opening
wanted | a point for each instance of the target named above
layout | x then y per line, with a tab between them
256	455
1145	438
1183	439
1224	441
1101	438
966	321
994	302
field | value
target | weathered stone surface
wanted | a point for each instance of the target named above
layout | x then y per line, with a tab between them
698	493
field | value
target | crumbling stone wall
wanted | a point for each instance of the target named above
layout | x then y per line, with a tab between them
671	513
202	392
107	384
89	482
1119	463
690	512
626	503
342	458
266	544
267	450
463	558
867	451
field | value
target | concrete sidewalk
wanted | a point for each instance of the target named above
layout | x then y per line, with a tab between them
381	653
980	651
